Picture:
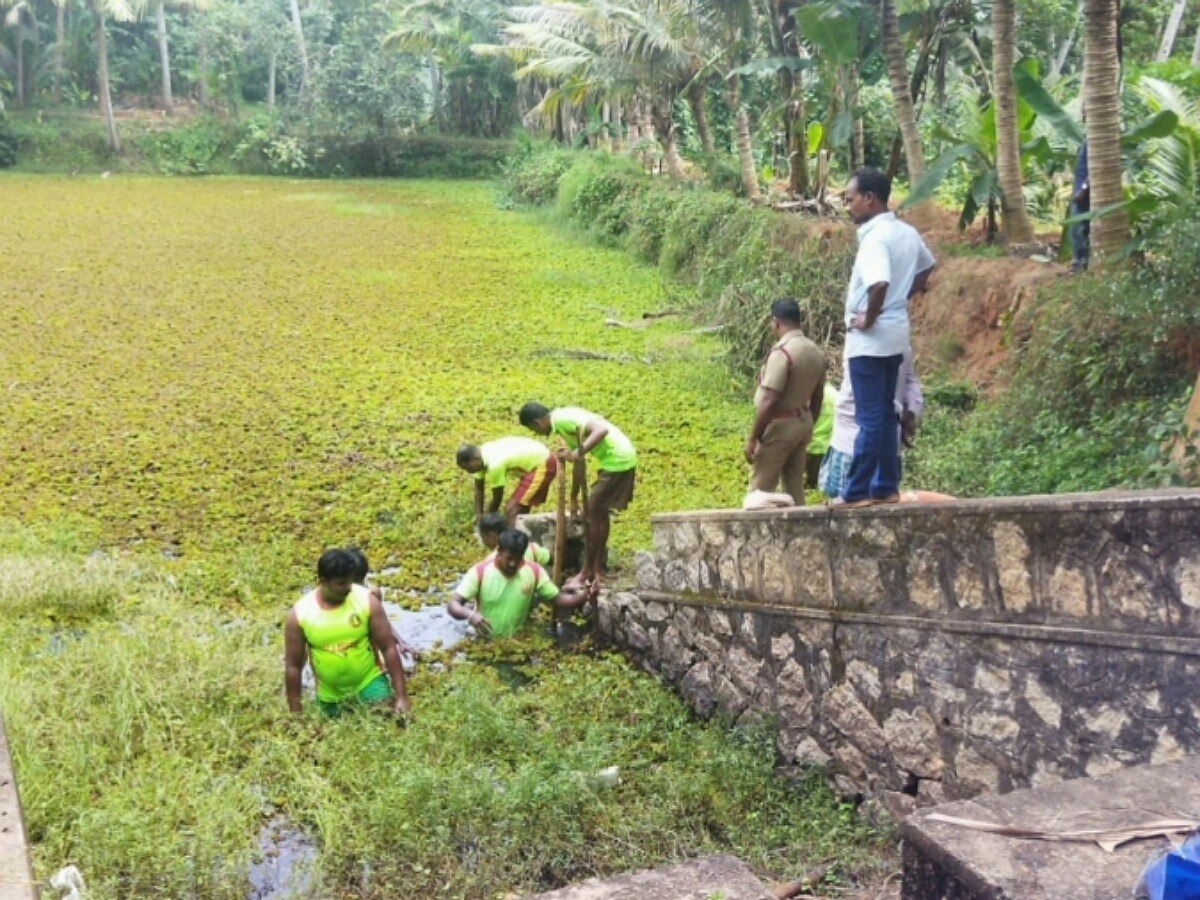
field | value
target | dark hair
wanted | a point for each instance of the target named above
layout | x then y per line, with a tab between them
361	565
493	523
466	453
531	412
872	181
337	563
514	543
787	311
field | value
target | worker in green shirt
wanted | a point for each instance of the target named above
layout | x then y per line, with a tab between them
503	590
584	433
495	462
822	436
492	525
341	627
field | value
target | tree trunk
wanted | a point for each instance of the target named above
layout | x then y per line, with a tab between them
664	125
698	98
1196	49
164	57
1060	58
1171	32
19	38
31	82
744	143
1018	227
204	98
104	88
435	90
1102	99
906	114
301	46
272	69
60	40
858	144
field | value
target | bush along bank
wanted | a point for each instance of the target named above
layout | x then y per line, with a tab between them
1098	392
264	143
729	259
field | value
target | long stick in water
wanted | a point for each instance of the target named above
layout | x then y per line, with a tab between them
560	536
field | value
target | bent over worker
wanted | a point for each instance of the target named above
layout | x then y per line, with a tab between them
494	462
342	628
584	433
791	392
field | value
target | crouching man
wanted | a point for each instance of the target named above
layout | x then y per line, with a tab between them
503	590
341	627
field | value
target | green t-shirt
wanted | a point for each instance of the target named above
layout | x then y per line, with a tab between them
535	553
506	602
613	454
339	641
823	429
517	455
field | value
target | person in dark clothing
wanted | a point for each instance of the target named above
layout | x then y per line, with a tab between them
1081	202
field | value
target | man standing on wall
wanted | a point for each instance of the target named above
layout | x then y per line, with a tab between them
791	390
893	264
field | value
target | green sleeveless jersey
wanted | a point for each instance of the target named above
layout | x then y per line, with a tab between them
343	657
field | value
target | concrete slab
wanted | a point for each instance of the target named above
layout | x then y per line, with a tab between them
948	862
16	871
712	877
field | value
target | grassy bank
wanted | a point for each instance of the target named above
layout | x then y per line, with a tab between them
223	377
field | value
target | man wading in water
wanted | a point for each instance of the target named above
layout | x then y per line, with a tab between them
342	626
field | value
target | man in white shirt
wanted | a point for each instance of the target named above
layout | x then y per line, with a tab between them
893	264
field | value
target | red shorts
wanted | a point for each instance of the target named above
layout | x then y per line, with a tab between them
534	487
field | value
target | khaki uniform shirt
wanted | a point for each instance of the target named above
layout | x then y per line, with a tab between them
792	369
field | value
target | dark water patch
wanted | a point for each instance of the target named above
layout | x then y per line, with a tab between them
287	869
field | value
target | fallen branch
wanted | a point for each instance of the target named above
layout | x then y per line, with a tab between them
586	354
792	889
1108	839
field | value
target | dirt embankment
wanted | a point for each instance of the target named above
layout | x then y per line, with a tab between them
964	326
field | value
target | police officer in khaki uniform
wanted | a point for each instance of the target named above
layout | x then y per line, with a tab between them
791	388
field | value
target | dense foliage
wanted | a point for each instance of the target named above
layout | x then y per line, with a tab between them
1100	381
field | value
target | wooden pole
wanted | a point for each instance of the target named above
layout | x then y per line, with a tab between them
560	535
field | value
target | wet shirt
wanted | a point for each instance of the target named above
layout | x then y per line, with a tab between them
339	641
792	369
505	602
510	455
615	453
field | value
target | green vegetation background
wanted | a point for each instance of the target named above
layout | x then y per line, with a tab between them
215	380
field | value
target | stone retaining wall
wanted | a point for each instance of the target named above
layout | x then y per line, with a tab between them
935	651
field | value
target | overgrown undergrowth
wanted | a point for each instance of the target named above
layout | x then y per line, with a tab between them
153	746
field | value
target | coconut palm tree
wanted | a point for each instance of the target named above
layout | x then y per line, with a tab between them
645	51
906	115
18	18
1102	102
1018	227
1171	31
121	11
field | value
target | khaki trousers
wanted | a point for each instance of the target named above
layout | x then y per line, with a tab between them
782	454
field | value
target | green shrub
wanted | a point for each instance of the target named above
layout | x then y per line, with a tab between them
8	145
1097	393
188	150
598	192
532	174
